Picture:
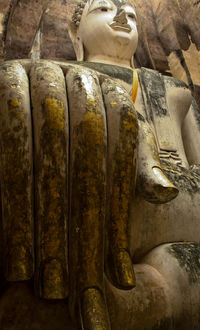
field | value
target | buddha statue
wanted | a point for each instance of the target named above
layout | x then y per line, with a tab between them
74	149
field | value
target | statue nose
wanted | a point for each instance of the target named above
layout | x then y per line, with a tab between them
120	17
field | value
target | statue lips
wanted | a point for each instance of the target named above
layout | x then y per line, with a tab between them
120	27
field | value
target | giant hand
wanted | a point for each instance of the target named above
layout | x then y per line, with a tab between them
56	172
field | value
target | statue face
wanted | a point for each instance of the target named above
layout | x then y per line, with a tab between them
108	28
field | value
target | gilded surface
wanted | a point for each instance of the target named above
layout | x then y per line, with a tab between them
122	141
94	313
88	165
16	173
88	148
51	170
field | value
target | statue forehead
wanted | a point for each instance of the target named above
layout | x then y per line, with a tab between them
117	3
78	11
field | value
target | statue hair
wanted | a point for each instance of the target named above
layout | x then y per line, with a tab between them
78	11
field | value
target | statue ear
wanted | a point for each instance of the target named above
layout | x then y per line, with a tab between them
77	42
132	62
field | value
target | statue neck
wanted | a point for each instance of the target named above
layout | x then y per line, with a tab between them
108	60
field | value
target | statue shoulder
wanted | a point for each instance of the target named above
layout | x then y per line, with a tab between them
150	75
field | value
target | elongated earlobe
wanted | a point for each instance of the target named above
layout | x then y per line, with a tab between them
77	42
132	62
78	47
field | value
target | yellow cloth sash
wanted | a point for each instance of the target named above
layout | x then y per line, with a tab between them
135	85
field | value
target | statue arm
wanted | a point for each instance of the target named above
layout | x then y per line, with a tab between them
191	134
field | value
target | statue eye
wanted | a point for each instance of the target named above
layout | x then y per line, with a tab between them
101	5
131	16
